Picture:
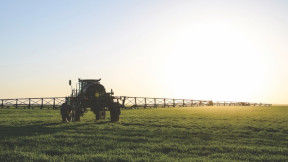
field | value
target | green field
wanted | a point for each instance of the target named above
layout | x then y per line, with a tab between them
163	134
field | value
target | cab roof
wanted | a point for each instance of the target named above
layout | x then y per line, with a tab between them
89	80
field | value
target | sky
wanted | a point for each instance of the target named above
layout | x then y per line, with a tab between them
223	50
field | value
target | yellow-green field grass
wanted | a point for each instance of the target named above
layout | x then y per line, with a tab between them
162	134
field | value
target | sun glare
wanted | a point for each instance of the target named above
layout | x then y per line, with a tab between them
215	60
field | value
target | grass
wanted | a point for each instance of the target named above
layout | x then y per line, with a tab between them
163	134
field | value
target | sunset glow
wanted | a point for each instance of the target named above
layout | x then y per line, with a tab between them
224	50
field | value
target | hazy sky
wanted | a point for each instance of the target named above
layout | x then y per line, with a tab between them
212	49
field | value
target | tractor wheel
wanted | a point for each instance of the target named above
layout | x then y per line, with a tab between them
115	112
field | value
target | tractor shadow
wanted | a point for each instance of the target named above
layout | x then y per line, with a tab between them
102	122
40	128
35	129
